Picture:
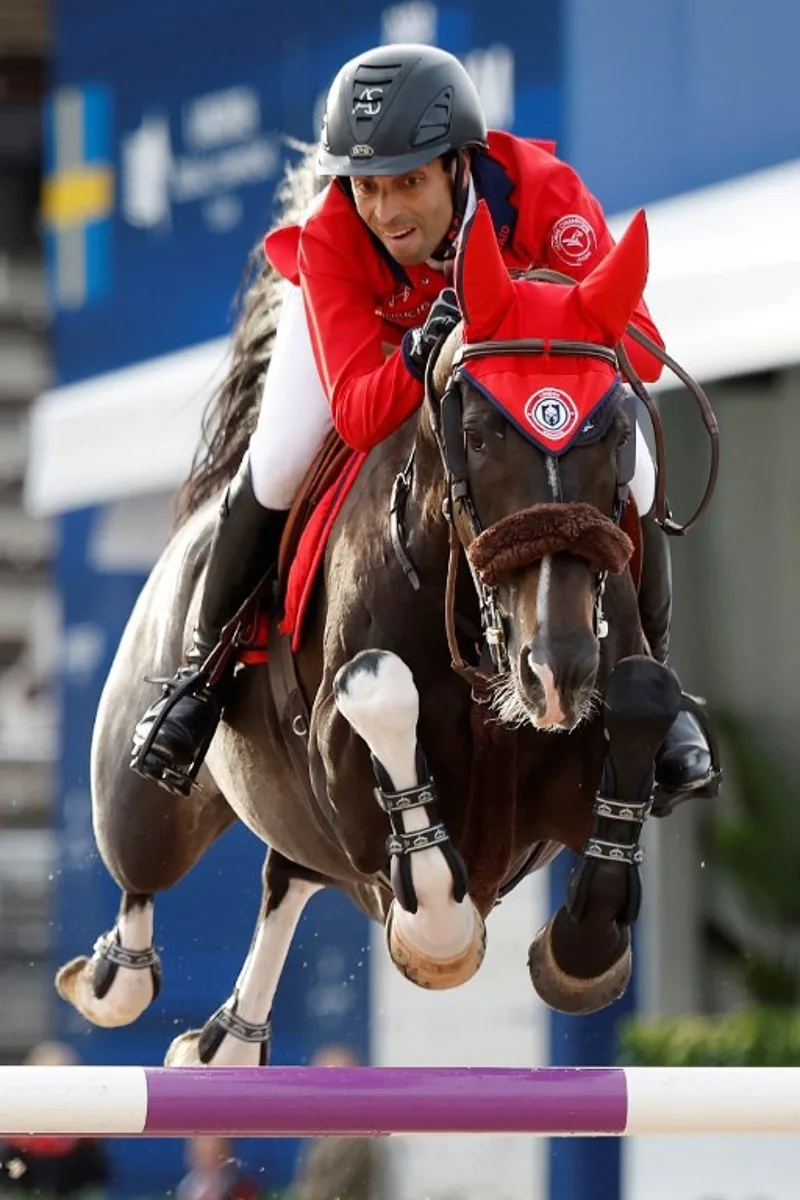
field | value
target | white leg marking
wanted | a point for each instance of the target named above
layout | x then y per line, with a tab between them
256	986
136	927
132	989
259	977
376	693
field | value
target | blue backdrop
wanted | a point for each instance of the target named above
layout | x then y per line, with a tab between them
672	95
197	98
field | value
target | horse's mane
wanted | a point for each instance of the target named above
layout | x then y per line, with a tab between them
231	414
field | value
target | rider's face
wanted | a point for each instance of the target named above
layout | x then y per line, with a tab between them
409	213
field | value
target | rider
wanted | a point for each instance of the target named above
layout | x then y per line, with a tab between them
365	299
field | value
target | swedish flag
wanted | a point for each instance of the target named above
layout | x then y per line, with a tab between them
78	194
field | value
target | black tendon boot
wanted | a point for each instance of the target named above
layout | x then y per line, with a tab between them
171	739
684	762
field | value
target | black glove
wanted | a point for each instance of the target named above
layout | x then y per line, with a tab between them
418	344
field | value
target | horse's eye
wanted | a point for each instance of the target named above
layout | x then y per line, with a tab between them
474	441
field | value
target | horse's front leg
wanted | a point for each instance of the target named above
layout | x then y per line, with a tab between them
435	934
581	960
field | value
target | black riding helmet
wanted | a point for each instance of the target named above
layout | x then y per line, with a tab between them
395	108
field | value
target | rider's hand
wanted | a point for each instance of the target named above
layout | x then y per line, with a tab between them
418	344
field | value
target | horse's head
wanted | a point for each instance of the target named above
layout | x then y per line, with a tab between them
532	419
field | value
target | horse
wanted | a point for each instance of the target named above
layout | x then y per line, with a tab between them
428	791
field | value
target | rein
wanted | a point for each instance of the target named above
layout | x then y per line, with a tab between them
621	359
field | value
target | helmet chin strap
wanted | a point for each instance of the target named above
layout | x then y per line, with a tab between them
447	247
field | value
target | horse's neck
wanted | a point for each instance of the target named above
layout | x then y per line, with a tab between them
409	461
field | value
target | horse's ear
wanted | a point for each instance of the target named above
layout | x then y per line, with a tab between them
614	288
483	286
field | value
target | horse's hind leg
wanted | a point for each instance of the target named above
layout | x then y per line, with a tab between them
581	960
239	1033
148	841
436	936
123	976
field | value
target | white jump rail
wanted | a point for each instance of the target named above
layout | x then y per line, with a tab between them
379	1101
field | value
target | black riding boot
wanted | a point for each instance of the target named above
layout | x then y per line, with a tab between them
684	761
171	739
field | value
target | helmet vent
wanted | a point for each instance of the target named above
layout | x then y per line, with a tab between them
435	122
371	88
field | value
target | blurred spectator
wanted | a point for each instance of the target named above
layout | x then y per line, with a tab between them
54	1166
340	1168
214	1174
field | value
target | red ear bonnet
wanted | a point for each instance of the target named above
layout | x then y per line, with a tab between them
551	399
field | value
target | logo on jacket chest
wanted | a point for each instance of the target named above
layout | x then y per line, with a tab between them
397	308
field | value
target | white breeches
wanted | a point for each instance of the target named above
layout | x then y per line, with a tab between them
643	483
295	417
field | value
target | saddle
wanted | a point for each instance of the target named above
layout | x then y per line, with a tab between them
291	705
323	473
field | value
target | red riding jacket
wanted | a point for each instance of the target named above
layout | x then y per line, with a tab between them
358	298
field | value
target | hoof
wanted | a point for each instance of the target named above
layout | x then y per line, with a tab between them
224	1041
105	993
184	1051
436	973
566	993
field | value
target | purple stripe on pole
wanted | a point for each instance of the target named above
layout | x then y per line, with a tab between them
313	1101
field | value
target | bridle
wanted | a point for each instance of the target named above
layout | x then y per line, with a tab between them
464	523
465	526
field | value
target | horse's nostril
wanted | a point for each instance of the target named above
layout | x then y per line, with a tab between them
531	681
585	665
573	663
529	678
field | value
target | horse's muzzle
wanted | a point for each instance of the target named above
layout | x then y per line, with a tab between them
558	679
